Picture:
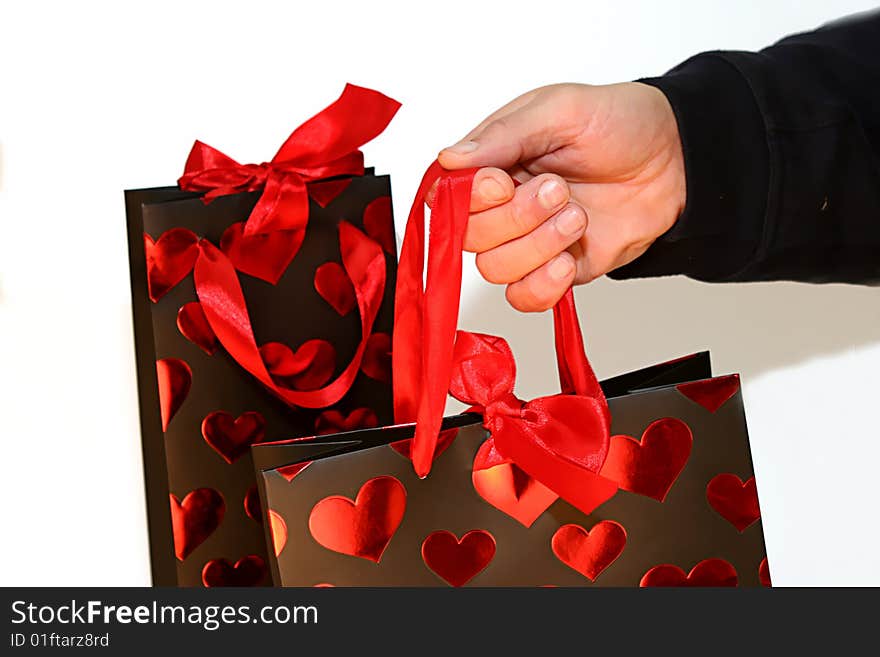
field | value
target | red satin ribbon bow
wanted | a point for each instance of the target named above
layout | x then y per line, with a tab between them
561	440
326	145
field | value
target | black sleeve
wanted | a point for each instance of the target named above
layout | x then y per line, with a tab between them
782	158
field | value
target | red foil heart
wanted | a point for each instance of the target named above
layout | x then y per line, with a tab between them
335	422
764	573
711	393
278	531
379	222
265	256
289	472
735	501
247	571
709	572
404	447
376	363
589	552
455	560
364	527
193	325
307	368
651	466
252	505
232	437
506	487
169	259
323	193
175	379
334	285
195	518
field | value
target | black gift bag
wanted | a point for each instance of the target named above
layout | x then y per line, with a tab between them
263	306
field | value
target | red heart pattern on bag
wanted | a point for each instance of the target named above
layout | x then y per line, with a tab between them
363	527
169	259
333	421
194	326
709	572
324	192
458	560
195	518
307	368
252	506
506	487
764	573
589	552
650	467
711	394
278	531
175	379
232	437
376	363
247	571
335	287
266	255
735	501
379	223
290	472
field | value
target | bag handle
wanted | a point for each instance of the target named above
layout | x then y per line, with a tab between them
426	315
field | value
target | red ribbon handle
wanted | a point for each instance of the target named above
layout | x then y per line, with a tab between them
326	145
426	316
223	302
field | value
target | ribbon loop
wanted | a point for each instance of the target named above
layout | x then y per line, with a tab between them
223	302
326	145
560	440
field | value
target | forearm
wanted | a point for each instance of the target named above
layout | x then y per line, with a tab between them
782	158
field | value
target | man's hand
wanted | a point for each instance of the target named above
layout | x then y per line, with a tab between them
602	176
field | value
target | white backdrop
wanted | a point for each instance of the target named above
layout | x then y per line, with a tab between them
97	98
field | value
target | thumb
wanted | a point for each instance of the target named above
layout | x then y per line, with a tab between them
523	134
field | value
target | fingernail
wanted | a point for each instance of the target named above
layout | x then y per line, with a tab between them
561	268
491	190
551	194
570	221
463	147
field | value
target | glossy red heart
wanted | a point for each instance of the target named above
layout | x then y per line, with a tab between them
252	505
232	437
711	393
376	362
735	501
458	560
589	552
506	487
278	531
764	573
324	192
266	255
379	222
169	259
193	325
195	518
289	472
175	379
364	527
336	288
709	572
651	466
307	368
247	571
335	422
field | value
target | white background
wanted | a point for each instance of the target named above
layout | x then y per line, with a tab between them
98	98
